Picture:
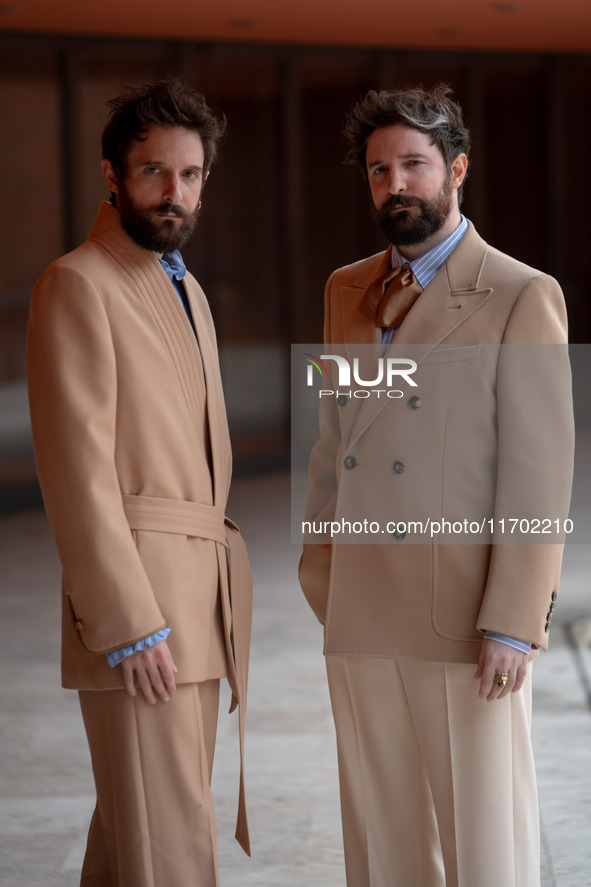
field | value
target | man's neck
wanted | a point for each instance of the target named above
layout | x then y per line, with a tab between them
416	250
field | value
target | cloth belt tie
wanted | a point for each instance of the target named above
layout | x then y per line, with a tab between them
208	522
389	298
176	516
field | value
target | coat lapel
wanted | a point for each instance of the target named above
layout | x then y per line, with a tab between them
448	301
349	329
196	363
452	296
216	410
348	325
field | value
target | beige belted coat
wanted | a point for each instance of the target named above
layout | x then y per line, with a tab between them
134	460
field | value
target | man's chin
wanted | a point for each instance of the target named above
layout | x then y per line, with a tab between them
406	230
166	222
405	235
162	236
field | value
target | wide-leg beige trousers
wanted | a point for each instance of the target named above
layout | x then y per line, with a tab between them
438	786
154	823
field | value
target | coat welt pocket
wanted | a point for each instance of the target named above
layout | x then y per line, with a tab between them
452	354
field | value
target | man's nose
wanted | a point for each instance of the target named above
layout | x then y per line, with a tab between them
396	181
172	189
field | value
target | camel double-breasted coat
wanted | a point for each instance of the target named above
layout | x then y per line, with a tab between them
493	427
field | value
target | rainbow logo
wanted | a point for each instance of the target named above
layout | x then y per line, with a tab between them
314	362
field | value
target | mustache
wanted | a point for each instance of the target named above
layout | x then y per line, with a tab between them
399	200
172	210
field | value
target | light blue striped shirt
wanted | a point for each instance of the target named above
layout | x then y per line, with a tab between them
424	269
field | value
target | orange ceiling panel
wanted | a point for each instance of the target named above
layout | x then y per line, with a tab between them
530	25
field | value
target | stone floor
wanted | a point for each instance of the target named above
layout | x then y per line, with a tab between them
46	792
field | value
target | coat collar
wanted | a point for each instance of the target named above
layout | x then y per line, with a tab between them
110	234
196	362
452	296
450	299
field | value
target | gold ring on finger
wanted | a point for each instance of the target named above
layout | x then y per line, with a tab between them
501	678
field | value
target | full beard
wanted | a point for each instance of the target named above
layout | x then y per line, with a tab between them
408	229
162	236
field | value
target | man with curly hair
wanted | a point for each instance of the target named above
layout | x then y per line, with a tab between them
134	461
428	646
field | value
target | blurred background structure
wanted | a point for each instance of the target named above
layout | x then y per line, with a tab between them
280	210
280	213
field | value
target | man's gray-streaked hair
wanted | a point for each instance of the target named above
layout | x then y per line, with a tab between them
433	112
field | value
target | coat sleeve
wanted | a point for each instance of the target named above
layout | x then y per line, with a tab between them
72	379
535	466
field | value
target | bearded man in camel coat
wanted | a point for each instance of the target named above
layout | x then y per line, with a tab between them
134	461
428	640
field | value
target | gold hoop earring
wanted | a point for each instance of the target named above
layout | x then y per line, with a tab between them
199	205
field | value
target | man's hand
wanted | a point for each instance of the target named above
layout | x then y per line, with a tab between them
496	656
154	671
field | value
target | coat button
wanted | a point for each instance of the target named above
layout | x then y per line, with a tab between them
342	400
399	534
414	403
350	462
398	467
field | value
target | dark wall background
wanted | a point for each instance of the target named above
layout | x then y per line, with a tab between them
280	209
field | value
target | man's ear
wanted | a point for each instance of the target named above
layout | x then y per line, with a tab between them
203	181
459	168
109	176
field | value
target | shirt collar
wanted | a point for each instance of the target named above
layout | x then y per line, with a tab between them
426	266
173	265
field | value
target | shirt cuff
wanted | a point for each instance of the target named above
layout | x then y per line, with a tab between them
524	646
116	656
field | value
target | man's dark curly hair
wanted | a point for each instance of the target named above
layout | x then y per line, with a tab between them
169	102
433	112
